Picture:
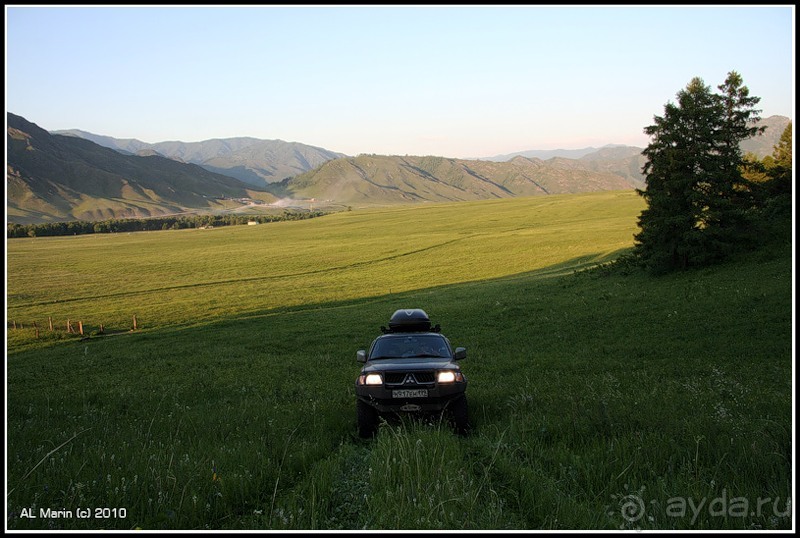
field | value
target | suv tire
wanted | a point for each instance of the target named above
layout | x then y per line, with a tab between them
367	419
459	414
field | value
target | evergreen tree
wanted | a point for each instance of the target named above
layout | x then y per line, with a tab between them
778	187
781	170
695	194
679	159
729	201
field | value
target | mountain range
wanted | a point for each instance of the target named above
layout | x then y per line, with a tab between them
387	179
760	146
251	160
76	175
62	178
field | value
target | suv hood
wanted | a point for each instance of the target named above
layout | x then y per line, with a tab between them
388	365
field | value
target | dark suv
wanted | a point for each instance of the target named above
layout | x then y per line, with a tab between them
410	368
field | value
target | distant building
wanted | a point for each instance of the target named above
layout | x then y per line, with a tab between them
252	222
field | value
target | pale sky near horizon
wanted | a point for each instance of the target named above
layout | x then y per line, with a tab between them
463	81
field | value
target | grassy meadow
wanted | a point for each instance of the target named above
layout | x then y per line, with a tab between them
601	398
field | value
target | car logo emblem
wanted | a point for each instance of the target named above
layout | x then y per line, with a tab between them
409	380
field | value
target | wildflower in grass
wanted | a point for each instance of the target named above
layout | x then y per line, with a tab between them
213	472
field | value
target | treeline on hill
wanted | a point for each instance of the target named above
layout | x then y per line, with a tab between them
149	224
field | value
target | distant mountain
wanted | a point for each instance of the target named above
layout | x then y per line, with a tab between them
251	160
623	161
129	146
379	179
57	178
759	145
765	143
61	177
544	154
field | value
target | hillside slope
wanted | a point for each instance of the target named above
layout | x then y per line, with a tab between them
252	160
380	179
52	178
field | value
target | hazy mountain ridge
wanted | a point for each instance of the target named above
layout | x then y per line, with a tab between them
394	179
764	144
761	146
252	160
624	161
545	154
52	177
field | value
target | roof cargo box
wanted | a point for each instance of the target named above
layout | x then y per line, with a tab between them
409	320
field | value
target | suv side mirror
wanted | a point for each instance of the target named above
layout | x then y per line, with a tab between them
361	355
461	353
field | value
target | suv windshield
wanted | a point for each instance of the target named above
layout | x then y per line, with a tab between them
411	346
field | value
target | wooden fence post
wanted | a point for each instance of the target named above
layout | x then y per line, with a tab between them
134	322
50	322
80	327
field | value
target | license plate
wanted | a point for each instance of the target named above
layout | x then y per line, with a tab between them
418	393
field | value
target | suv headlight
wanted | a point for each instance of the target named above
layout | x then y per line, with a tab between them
449	376
370	379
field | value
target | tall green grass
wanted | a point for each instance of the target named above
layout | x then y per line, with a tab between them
600	399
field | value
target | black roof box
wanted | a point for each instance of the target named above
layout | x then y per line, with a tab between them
410	320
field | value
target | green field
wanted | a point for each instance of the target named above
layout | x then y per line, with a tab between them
201	276
600	398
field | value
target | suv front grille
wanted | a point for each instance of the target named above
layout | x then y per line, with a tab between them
410	378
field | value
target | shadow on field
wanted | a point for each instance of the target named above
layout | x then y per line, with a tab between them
307	354
383	305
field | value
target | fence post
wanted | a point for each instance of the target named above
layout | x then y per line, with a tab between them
80	327
50	322
134	322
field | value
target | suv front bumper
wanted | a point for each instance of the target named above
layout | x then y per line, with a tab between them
385	400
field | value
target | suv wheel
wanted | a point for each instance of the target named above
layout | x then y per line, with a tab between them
459	415
367	419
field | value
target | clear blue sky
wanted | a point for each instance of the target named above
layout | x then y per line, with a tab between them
417	80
